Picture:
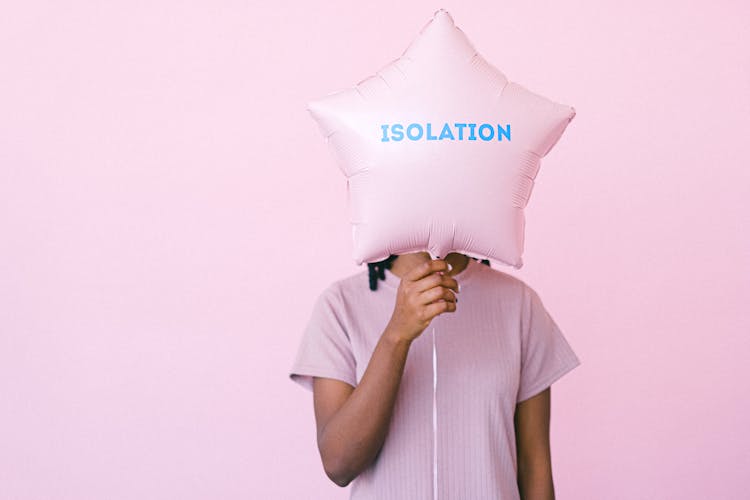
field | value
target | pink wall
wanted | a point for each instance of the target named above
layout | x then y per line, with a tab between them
168	212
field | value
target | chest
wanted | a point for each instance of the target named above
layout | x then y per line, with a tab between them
475	352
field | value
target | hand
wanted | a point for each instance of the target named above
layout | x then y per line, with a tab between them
424	292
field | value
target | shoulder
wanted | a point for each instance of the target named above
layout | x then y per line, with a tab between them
513	293
342	292
496	280
351	284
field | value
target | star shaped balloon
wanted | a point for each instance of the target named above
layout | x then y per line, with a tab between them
440	151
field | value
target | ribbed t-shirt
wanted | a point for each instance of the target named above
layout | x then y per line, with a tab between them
451	435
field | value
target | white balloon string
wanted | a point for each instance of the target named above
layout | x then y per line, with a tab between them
434	417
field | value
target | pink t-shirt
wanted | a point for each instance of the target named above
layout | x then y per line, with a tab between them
462	380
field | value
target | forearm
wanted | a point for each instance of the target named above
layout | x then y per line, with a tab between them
353	437
535	480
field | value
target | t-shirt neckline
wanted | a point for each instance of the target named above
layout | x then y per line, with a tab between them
392	281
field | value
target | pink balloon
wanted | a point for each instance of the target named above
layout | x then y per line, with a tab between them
440	151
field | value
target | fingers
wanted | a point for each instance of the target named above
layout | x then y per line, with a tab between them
434	280
436	308
435	294
426	268
429	274
435	291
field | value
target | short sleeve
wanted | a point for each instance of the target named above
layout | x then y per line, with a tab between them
545	353
325	349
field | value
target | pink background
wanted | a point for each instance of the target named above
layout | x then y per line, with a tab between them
169	211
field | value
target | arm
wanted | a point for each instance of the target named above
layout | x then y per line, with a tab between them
352	422
532	419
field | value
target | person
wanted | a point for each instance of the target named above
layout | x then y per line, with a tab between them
460	413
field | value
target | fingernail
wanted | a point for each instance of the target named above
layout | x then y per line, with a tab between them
459	288
450	268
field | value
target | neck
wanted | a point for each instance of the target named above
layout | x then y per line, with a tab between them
404	263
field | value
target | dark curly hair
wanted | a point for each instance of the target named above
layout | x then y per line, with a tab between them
377	269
